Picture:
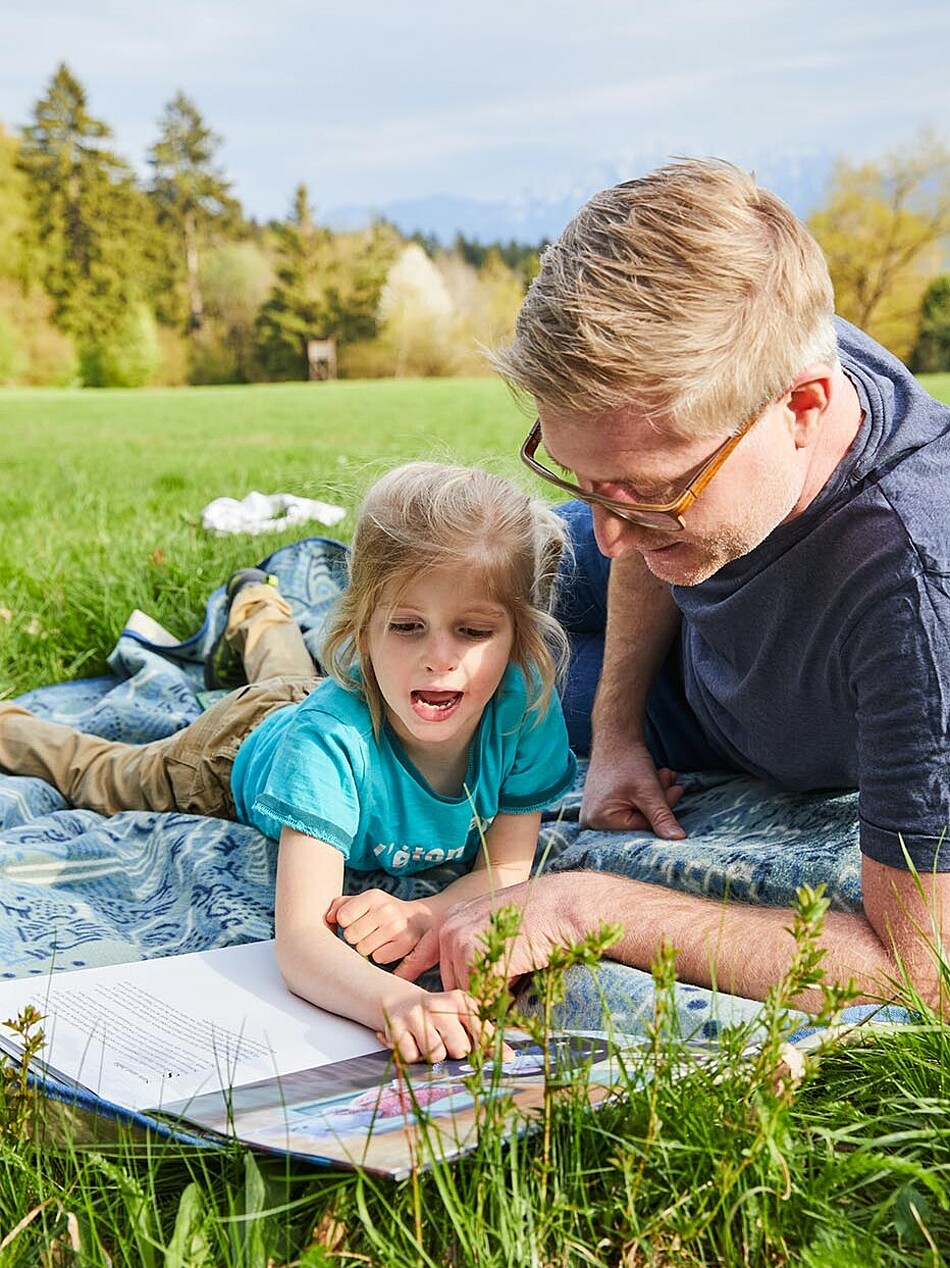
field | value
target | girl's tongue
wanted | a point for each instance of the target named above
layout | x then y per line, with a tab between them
435	703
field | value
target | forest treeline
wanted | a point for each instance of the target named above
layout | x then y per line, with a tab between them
111	279
107	279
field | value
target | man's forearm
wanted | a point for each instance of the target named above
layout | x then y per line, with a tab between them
735	947
623	789
642	621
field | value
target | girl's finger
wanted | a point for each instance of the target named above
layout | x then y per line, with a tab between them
359	930
408	1048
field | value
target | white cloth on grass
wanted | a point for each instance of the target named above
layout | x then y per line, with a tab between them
266	513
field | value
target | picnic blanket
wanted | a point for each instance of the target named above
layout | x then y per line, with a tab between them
78	889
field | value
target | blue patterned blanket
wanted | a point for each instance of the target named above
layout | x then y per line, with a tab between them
77	889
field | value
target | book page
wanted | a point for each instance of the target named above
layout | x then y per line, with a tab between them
141	1035
368	1112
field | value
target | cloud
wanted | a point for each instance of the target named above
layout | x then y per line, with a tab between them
371	101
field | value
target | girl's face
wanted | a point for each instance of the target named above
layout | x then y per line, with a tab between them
438	649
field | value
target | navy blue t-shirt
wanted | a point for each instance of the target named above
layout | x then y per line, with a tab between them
822	658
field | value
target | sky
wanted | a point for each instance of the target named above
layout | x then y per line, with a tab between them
370	102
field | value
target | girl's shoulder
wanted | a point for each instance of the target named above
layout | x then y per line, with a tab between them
518	701
513	686
518	692
329	700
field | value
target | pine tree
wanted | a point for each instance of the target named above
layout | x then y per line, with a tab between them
17	236
328	285
301	305
366	259
190	190
91	220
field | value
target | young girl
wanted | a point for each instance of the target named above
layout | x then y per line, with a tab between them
436	737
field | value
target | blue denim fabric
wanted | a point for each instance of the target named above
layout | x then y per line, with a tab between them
673	734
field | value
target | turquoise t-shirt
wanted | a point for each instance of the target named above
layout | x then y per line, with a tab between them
317	767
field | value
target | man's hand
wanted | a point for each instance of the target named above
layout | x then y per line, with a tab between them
381	926
548	920
625	792
434	1026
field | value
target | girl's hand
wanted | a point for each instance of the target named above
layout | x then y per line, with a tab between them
380	926
432	1026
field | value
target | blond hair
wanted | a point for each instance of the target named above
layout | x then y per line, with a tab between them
691	294
427	515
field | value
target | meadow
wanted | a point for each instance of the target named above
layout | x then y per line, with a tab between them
101	493
737	1163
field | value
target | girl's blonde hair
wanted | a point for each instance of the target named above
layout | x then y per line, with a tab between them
427	515
692	294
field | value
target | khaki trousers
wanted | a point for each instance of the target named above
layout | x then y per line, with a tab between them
266	636
189	771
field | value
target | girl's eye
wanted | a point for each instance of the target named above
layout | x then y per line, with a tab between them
478	634
403	627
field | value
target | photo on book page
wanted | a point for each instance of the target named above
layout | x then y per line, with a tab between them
366	1112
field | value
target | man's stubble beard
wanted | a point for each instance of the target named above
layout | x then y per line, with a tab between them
699	560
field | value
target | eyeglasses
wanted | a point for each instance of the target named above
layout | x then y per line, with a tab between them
666	517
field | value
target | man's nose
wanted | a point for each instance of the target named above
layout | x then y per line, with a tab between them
612	534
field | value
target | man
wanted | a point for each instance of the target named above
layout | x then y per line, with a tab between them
770	489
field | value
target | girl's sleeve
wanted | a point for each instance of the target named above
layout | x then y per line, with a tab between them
543	767
314	783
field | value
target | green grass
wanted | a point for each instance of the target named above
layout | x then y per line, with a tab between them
100	496
732	1164
937	385
101	493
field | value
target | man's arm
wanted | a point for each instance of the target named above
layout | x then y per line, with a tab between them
910	913
734	947
624	791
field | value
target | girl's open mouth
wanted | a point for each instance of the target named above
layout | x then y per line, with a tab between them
435	705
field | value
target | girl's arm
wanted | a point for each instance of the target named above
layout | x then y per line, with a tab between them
319	967
388	928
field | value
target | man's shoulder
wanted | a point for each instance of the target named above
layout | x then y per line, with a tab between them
908	414
856	345
898	484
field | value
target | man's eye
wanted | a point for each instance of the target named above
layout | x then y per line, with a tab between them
624	491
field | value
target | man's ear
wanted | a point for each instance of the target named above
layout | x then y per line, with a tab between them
808	399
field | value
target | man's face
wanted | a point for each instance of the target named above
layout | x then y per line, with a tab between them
622	456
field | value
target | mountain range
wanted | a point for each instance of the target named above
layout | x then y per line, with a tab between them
535	218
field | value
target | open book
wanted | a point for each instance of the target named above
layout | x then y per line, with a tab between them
214	1040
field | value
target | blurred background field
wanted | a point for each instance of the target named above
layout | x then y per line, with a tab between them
101	493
